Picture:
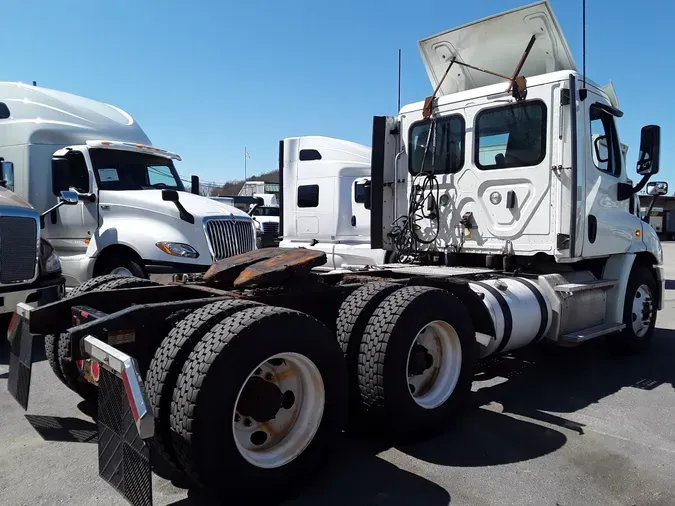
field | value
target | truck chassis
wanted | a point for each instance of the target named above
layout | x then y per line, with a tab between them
285	356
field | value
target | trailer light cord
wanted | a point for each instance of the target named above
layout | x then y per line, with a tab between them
422	204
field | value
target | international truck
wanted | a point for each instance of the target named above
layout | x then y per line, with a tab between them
134	216
517	228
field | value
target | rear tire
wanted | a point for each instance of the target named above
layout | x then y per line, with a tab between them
68	367
639	312
352	320
52	342
416	361
168	361
210	404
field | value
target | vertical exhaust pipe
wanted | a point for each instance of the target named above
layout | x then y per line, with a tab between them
194	185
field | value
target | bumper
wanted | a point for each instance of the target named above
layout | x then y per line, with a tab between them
164	272
267	240
39	293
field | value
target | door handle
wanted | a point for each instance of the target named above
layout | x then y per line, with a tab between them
353	221
592	228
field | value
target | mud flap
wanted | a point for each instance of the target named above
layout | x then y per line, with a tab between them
124	422
123	457
20	355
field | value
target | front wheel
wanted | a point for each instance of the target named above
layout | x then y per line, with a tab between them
639	313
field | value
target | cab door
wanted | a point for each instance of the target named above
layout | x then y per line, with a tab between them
609	225
71	226
509	173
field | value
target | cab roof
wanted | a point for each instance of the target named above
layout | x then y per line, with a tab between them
44	116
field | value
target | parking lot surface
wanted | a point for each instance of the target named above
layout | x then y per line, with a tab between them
568	427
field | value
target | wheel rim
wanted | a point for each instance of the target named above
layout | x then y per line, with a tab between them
642	310
434	364
278	410
122	271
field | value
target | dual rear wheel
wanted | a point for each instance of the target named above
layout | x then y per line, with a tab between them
410	353
247	391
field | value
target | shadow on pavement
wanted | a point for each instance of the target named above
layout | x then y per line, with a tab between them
561	380
355	476
64	429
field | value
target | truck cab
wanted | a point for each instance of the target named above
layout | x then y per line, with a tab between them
134	216
266	216
543	174
30	269
526	173
326	206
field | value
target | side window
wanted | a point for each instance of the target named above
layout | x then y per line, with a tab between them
362	193
308	195
437	146
511	136
605	148
79	175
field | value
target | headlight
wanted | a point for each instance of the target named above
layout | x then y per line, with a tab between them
49	260
178	249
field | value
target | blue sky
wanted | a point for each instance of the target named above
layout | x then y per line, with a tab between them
206	78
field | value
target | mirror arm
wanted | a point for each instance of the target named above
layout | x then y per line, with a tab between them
48	211
649	211
642	183
626	191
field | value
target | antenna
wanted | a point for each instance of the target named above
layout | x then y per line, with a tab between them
582	91
399	82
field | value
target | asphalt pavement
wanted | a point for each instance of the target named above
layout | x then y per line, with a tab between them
564	428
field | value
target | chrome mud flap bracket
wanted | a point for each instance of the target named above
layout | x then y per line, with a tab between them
125	421
20	355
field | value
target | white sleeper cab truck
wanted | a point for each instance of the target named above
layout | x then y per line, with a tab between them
325	200
516	224
134	216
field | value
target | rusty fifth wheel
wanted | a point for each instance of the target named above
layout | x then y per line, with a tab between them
259	403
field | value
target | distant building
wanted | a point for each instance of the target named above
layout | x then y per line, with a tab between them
251	188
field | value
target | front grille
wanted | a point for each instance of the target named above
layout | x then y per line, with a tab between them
229	237
270	227
18	249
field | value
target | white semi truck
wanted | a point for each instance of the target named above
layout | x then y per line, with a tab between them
134	216
521	227
326	200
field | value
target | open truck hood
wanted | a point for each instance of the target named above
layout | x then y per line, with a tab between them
497	43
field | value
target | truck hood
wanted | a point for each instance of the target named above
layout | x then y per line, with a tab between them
497	44
9	198
151	201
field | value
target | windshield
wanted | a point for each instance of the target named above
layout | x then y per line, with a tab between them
266	211
128	170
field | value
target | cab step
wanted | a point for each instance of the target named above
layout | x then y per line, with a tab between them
580	336
586	285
